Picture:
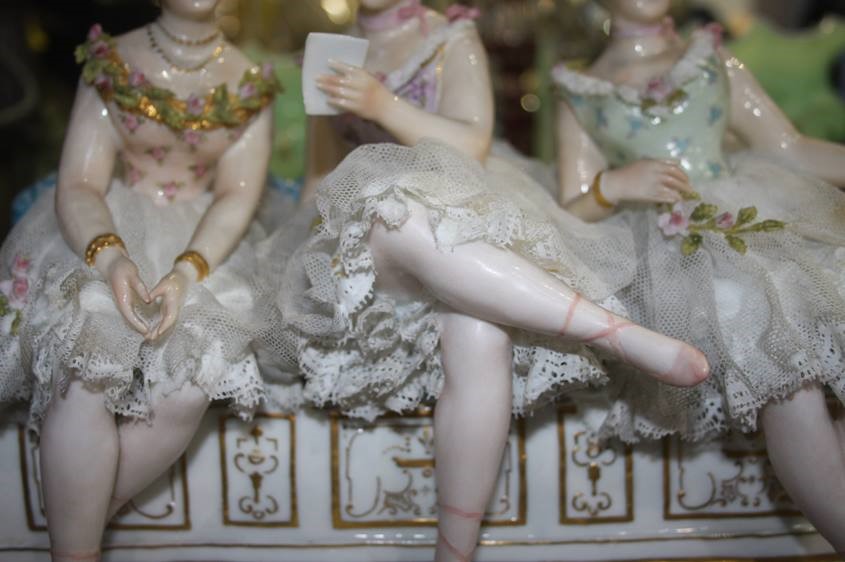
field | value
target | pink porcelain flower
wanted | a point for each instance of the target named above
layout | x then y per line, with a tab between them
247	90
95	32
100	49
130	121
158	153
21	266
658	89
192	137
102	82
170	189
267	70
674	222
725	220
195	104
137	79
199	170
15	291
20	288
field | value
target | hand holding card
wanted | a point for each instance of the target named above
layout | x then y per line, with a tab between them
319	49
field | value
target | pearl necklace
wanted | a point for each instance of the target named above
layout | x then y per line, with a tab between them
218	50
185	40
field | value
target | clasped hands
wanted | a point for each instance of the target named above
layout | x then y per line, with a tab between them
129	291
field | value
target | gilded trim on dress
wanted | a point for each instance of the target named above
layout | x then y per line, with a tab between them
104	69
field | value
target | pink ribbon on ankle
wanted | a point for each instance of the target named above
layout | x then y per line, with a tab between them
457	12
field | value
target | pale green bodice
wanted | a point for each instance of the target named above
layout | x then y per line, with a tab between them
681	115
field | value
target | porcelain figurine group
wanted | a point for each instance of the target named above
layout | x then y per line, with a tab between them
700	291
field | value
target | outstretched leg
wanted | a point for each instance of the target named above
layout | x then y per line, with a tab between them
500	286
149	449
79	452
471	422
808	457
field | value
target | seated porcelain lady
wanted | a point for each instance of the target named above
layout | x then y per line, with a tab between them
741	257
429	275
128	296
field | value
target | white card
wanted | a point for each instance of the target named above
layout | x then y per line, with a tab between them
319	48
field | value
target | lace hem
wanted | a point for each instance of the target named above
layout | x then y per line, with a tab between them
366	354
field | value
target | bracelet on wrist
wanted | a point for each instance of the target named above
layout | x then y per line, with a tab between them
100	243
195	259
595	188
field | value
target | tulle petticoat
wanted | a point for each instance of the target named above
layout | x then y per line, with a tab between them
60	321
769	320
365	353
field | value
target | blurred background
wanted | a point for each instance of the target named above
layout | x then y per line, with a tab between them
796	48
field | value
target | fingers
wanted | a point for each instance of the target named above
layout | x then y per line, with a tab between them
141	289
675	172
160	290
337	89
169	312
341	103
680	185
663	195
124	305
344	68
332	81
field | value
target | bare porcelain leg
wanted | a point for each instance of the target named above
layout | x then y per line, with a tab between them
471	422
148	449
807	453
79	450
499	286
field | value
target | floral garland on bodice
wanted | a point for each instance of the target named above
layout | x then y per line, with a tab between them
104	69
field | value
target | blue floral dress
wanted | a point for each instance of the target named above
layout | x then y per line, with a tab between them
751	274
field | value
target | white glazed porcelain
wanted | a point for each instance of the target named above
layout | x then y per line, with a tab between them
364	492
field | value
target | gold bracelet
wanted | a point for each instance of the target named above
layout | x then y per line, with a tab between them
100	243
195	259
595	187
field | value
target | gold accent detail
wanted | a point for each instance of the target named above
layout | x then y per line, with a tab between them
185	525
594	473
738	457
414	463
100	243
488	543
255	434
195	259
439	52
595	189
338	522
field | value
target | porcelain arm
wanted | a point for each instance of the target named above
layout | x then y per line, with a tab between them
465	115
241	175
761	123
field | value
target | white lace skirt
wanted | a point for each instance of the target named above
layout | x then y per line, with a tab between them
367	354
769	320
60	321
